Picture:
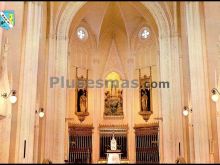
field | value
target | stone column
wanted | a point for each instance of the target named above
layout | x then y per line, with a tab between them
218	125
218	103
5	105
66	144
2	6
130	111
171	128
56	104
36	136
177	97
60	104
49	112
167	148
198	82
96	111
28	79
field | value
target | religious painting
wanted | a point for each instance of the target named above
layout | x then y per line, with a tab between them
81	91
113	103
145	93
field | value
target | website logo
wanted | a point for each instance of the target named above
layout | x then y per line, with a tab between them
7	19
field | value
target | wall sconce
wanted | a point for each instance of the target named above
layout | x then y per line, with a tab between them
40	112
215	94
186	110
12	96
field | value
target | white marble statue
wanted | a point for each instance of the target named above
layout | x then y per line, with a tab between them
114	155
113	143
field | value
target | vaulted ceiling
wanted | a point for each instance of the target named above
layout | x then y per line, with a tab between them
107	23
111	17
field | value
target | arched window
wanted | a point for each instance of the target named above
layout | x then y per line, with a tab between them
82	33
144	33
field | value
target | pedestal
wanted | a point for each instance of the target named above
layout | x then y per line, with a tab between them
113	156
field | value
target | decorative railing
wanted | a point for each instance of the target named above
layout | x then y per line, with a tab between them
147	144
80	145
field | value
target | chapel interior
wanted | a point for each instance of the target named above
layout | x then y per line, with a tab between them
162	60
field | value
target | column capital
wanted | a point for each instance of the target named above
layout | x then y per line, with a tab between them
57	36
172	35
191	2
164	36
37	3
61	37
52	36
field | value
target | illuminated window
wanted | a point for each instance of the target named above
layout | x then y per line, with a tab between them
82	33
113	77
144	33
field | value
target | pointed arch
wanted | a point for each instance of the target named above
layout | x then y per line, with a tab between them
59	51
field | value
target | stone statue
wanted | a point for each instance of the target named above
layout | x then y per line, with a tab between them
83	102
113	143
113	155
144	101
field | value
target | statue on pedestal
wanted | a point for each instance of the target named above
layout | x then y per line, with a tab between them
113	155
81	96
145	93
